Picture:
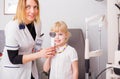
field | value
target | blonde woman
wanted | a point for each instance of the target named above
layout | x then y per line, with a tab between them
64	65
20	34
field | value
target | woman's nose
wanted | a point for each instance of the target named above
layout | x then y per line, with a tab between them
32	10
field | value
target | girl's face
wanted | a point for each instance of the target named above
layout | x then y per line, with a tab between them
31	10
60	38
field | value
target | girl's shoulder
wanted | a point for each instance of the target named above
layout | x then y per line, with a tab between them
70	47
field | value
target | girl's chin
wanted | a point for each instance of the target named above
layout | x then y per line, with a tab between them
59	44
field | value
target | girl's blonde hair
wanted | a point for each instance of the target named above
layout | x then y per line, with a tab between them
60	26
20	12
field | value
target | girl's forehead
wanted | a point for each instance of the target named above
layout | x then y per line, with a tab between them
59	32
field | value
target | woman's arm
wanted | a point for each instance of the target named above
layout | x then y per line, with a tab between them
45	53
22	59
75	69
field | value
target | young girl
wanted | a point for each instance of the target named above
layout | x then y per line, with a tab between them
64	65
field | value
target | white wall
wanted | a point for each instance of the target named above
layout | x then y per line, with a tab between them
3	18
73	12
112	12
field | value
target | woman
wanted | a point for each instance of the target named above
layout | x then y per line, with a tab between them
64	65
20	33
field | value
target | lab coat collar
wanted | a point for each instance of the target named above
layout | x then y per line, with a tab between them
21	26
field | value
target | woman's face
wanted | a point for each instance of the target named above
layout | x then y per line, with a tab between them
31	10
60	38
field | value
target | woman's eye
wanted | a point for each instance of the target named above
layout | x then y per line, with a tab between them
28	7
35	7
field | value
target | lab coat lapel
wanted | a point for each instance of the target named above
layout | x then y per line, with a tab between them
37	29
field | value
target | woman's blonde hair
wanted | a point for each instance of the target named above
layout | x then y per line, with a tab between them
20	12
60	26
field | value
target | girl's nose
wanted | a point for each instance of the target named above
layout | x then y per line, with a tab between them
57	36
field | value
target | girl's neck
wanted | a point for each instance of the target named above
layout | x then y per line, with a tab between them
61	49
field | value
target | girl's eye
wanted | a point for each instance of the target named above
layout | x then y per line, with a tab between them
60	34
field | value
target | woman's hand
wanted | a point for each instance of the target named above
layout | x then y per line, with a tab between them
47	52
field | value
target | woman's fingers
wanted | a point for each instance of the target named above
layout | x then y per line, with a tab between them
48	52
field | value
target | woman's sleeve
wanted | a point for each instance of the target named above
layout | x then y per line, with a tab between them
11	34
11	44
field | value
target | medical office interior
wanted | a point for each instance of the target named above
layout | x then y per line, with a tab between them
95	24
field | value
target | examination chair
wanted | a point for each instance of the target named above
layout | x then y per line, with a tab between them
2	41
77	41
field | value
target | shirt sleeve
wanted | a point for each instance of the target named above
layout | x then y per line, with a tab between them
73	55
14	57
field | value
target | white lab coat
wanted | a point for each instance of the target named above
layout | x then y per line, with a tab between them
18	39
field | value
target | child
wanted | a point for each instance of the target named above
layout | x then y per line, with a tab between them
64	65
